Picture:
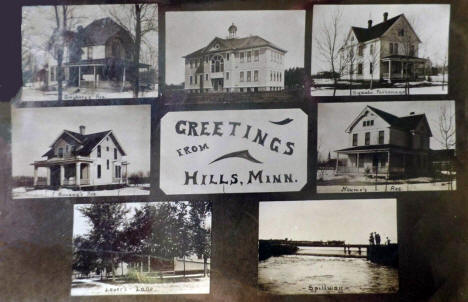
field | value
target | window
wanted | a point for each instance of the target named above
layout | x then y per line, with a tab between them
66	149
371	49
115	153
107	149
395	48
256	75
206	77
367	139
191	80
360	50
227	56
60	152
89	52
227	75
359	68
412	52
256	55
355	138
401	32
381	137
217	64
242	57
391	47
242	76
372	122
118	173
249	56
249	76
98	151
364	123
271	76
195	79
371	68
98	171
274	76
107	164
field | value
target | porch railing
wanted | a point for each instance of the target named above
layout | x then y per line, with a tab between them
120	180
72	182
362	170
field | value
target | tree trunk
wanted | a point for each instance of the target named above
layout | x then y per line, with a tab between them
335	82
136	52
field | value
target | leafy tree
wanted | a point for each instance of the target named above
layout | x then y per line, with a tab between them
200	235
294	78
84	257
105	236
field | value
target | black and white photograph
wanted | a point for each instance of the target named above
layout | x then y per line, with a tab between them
328	247
380	49
81	52
81	151
149	248
234	51
386	147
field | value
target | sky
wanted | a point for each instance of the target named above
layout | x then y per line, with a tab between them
35	129
81	224
430	22
348	220
38	23
343	114
187	32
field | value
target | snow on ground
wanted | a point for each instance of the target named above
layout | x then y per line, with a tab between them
328	91
93	287
23	192
329	182
31	94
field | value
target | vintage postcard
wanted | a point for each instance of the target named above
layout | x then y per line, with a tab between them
81	52
380	49
328	247
81	151
386	147
141	248
234	51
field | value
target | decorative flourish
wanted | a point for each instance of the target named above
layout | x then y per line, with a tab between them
283	122
239	154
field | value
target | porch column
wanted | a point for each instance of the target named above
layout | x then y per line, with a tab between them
357	162
77	173
337	160
35	175
94	70
48	176
123	79
389	71
388	163
79	76
62	174
402	68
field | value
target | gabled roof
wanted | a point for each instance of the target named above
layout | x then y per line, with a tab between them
406	123
86	142
99	31
234	44
365	34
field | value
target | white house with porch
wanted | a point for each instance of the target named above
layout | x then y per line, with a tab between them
78	160
387	51
386	145
235	64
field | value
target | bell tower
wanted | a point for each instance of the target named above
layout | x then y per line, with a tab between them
232	31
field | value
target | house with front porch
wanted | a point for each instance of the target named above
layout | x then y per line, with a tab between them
99	55
387	51
384	145
78	160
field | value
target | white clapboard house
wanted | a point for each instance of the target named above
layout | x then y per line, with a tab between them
234	64
386	51
386	145
79	160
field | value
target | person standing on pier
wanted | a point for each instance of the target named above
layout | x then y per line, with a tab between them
371	239
377	239
388	241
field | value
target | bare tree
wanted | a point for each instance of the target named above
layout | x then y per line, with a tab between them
348	62
373	60
447	135
328	41
444	69
138	19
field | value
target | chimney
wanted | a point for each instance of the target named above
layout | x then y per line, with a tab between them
82	130
411	113
369	24
385	16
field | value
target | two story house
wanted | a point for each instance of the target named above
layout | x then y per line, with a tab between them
78	160
386	145
235	65
98	55
387	51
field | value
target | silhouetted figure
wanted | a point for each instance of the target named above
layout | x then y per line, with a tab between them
377	239
388	241
359	250
371	239
349	250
